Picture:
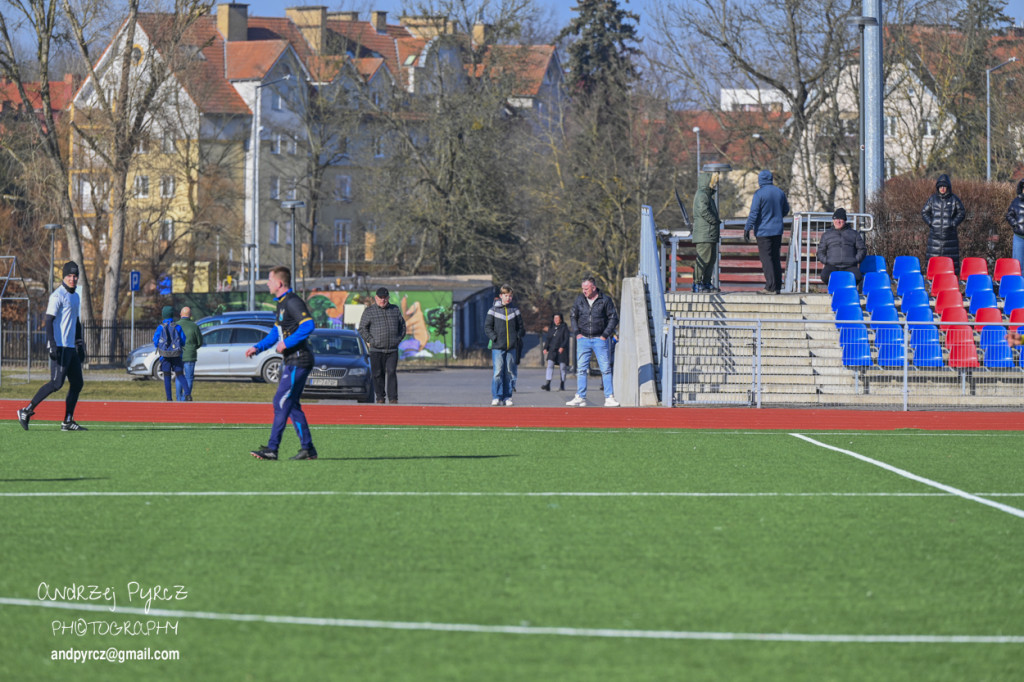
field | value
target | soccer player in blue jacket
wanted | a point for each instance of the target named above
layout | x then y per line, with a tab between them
294	325
66	348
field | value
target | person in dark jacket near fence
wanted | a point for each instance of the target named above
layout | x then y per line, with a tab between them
593	319
767	209
169	341
841	248
1015	216
943	213
706	232
504	327
556	349
382	327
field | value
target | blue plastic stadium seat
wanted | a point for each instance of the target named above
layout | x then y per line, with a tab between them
903	265
927	348
841	280
884	316
1009	284
875	280
844	296
996	351
879	297
856	346
913	299
889	340
873	264
919	314
984	298
976	283
909	282
848	313
1013	300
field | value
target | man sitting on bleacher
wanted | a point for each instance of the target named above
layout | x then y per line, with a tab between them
841	248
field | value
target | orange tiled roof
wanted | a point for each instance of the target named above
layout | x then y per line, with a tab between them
530	63
60	94
252	59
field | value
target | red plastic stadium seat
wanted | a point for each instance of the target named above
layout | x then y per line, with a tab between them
986	316
973	266
1016	319
1006	266
939	265
962	351
949	299
947	281
953	314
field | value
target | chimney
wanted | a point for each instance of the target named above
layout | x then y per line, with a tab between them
233	21
343	16
312	24
379	21
481	34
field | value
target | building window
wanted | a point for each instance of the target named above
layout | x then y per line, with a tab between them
275	232
342	228
167	186
890	167
294	147
167	230
275	144
293	190
142	146
890	126
343	188
378	147
275	101
142	186
275	187
929	129
167	144
290	234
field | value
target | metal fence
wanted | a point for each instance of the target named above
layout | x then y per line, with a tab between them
796	362
17	344
808	228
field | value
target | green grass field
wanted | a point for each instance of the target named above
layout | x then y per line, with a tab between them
700	540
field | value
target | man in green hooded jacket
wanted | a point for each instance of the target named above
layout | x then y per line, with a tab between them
706	232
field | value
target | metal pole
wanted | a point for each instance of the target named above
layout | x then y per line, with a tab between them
133	320
874	86
254	228
860	118
295	273
696	129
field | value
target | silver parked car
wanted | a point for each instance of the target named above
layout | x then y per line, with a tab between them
221	356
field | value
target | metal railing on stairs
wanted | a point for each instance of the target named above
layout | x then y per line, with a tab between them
808	227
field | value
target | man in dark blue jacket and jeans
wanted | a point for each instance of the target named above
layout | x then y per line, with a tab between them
593	320
767	209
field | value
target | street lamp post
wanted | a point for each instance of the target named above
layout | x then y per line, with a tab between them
988	116
254	253
292	205
696	129
52	229
861	22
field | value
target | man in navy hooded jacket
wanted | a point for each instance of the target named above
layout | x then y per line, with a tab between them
767	209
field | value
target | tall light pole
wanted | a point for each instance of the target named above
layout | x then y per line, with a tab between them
292	205
254	253
861	22
696	129
988	116
52	229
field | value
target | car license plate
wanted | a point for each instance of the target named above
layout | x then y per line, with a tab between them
323	382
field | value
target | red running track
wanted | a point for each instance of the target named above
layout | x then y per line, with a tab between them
528	417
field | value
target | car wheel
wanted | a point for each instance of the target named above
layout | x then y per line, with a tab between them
366	397
271	371
158	373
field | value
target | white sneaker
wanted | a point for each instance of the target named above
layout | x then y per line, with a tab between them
577	401
610	401
508	403
495	402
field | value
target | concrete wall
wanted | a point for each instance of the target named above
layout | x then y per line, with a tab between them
634	373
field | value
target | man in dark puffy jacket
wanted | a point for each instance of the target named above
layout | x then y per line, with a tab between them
841	248
943	213
382	327
1015	216
706	232
767	209
593	319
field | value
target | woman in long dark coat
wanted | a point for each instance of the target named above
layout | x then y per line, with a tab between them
556	348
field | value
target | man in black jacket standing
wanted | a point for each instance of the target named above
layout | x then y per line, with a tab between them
383	328
504	327
842	248
943	213
593	320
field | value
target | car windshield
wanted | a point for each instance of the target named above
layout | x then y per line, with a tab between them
334	345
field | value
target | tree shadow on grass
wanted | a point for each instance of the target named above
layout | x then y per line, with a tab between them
411	457
54	480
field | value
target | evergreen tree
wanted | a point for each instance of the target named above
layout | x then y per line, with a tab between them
601	55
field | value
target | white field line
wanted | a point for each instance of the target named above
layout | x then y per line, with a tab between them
418	493
914	477
525	629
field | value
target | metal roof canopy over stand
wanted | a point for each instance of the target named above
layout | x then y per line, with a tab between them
9	274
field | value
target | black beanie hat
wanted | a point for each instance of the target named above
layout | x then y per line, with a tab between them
70	268
840	214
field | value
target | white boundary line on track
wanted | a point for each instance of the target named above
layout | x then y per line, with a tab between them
527	630
914	477
418	493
